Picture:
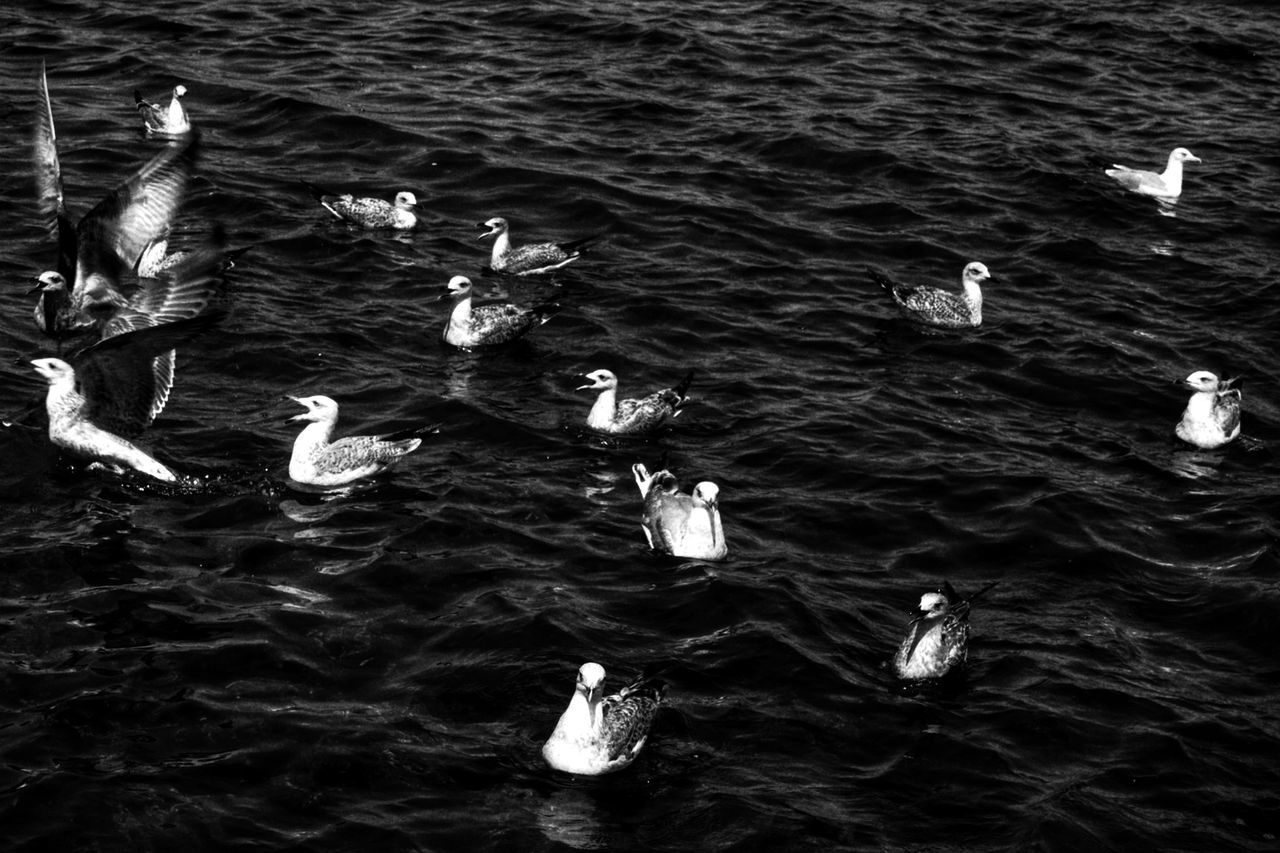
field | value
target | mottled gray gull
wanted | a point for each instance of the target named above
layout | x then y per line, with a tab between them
938	638
678	524
319	461
1212	416
530	259
600	734
400	214
171	120
937	307
611	415
1166	185
492	323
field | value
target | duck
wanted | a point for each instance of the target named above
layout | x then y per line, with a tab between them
631	417
600	734
491	323
936	307
319	461
1212	416
105	394
678	524
937	639
171	120
530	259
1164	185
400	214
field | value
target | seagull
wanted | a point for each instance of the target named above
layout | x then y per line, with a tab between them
182	293
530	259
492	323
600	734
938	639
936	307
1212	416
678	524
171	120
94	254
1166	185
107	390
370	212
609	414
317	461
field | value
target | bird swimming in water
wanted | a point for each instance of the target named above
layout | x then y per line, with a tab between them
530	259
938	639
171	120
401	214
611	415
107	391
1165	185
678	524
601	734
1212	416
937	307
318	461
492	323
94	254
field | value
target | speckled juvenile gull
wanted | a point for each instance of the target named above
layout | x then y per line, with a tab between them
110	239
1212	416
530	259
1166	185
611	415
319	461
679	524
938	638
107	392
370	212
937	307
171	120
492	323
600	734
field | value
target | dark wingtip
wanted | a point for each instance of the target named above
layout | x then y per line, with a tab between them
682	389
880	279
546	310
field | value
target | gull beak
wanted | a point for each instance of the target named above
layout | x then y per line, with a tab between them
488	233
590	384
39	287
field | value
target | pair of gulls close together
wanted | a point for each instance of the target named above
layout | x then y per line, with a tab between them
600	733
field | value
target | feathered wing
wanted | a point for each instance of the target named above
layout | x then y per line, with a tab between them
628	715
503	322
53	209
113	235
1226	411
118	375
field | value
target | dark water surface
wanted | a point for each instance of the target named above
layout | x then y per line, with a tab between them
249	667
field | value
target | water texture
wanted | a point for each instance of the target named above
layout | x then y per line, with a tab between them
246	666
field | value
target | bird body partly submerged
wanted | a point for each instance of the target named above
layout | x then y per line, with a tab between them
936	307
601	734
400	214
1212	416
938	638
531	258
171	120
319	461
622	417
490	324
1166	185
678	524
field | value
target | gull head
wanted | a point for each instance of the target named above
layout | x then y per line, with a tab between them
319	409
54	370
1203	381
497	225
49	281
406	199
931	603
600	380
590	679
179	90
706	494
458	287
976	272
1182	155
